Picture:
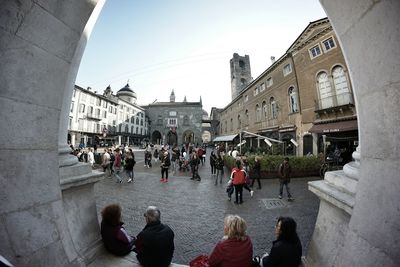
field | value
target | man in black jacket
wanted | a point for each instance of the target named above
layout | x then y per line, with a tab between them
155	243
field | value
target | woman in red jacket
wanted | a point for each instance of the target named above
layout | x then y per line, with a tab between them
238	177
235	249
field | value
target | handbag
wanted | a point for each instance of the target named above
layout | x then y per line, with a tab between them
256	262
200	261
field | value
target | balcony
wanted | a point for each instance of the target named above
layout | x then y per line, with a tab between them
335	103
91	116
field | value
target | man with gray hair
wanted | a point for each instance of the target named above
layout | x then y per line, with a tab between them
154	245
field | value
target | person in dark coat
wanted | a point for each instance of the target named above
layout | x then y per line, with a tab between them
256	172
165	163
194	165
154	245
213	158
286	250
116	240
284	172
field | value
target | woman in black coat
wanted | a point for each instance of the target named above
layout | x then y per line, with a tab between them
286	249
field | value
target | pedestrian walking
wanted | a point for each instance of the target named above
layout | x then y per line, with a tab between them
117	166
213	159
219	165
165	164
156	154
194	165
175	157
112	159
105	163
256	172
284	180
246	168
238	177
91	157
129	164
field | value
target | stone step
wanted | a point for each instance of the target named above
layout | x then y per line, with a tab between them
76	181
108	260
77	169
341	181
332	194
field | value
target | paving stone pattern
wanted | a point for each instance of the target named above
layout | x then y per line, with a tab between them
195	210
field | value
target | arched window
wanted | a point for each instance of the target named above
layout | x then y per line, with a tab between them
293	100
132	129
239	122
341	86
137	120
325	90
273	108
258	113
246	114
231	124
126	128
264	109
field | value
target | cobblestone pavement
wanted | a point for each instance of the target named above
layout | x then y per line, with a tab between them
195	210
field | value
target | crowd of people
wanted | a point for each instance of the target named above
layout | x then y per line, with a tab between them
154	245
188	158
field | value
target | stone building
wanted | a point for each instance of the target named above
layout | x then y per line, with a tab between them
106	119
175	122
303	95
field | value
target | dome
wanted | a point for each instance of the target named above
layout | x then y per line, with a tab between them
126	91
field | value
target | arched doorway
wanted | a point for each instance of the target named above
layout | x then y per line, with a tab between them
206	136
172	138
368	33
156	138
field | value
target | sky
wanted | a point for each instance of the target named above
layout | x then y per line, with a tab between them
186	45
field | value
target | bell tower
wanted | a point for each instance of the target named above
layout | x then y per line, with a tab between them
240	74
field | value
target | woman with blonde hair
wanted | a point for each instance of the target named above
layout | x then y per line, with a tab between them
235	249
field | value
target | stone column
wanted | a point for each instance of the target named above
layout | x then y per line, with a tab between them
40	51
365	226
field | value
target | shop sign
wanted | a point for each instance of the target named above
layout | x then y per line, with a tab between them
331	130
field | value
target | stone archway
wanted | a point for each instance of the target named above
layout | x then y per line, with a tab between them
206	136
39	67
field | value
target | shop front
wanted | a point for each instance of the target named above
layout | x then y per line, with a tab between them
336	139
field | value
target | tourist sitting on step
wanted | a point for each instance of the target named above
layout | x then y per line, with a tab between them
115	238
286	249
154	245
235	249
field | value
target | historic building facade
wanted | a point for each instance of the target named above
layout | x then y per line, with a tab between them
175	122
305	96
106	119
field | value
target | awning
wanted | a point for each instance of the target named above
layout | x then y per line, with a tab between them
225	138
340	126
